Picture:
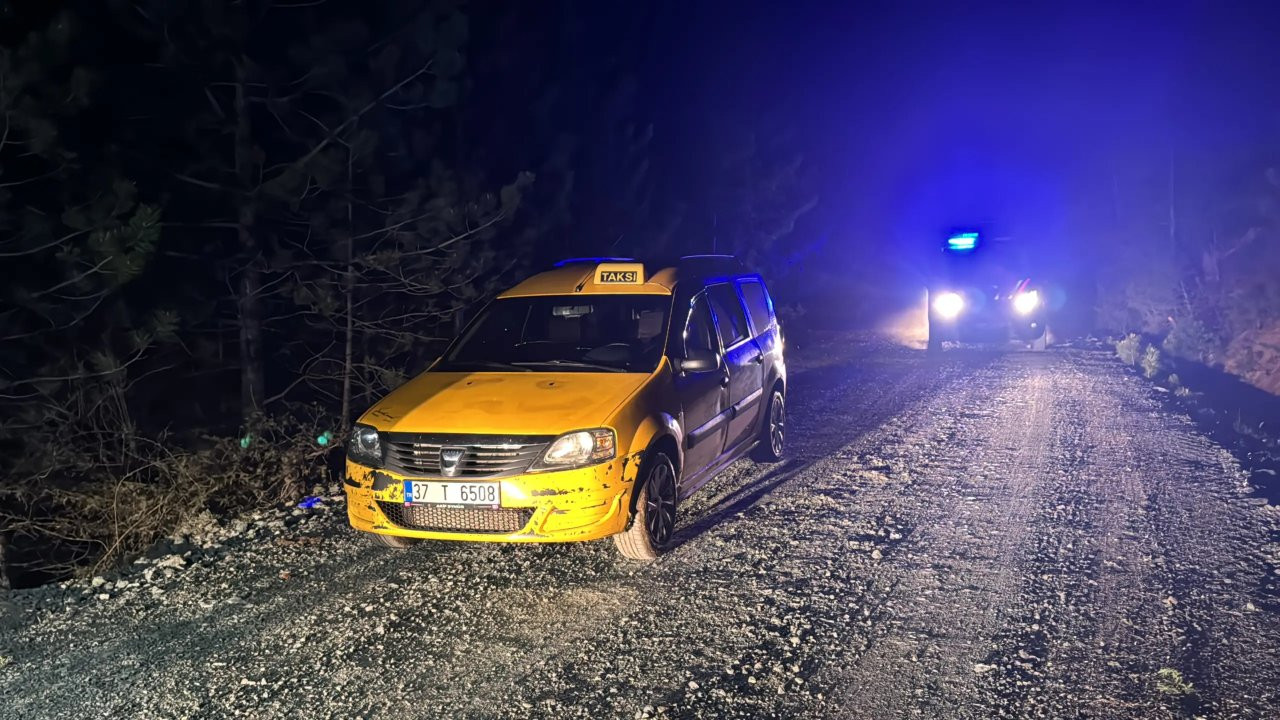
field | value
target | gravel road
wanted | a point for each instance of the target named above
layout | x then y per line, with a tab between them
973	536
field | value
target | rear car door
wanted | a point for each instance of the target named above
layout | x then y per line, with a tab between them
703	395
764	326
743	362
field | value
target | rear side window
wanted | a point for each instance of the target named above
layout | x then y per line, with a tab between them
730	318
759	305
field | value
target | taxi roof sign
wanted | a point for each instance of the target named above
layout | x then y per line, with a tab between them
619	274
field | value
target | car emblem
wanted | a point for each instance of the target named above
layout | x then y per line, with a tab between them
451	460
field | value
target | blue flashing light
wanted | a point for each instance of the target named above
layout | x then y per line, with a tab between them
592	260
962	242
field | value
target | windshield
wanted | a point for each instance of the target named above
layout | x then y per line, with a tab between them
576	333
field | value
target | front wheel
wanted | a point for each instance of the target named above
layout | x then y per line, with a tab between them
654	521
933	344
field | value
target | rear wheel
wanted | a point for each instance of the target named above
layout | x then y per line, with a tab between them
654	521
773	434
395	541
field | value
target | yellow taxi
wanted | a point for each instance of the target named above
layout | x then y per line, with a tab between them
585	402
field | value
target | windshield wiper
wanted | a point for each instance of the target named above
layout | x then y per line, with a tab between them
574	363
464	365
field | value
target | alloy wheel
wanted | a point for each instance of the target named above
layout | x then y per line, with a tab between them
777	425
660	504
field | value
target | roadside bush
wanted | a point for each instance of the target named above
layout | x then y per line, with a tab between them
1151	362
75	506
1191	339
1128	349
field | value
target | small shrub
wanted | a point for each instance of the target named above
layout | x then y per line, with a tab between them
1171	682
1190	338
111	512
1151	361
1247	429
1174	381
1128	349
1182	391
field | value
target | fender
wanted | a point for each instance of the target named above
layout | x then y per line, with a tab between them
654	427
652	430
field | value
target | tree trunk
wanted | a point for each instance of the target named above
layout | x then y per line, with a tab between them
249	301
348	351
252	383
349	289
4	567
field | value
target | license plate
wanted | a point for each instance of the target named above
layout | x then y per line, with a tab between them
431	492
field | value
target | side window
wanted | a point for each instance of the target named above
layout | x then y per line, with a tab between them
730	318
698	331
759	306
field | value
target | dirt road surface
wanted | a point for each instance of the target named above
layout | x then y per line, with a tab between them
973	536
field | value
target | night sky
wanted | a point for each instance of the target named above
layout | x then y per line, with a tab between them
919	115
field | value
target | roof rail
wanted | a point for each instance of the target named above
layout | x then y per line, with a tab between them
592	260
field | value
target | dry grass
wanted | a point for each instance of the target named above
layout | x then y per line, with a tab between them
103	505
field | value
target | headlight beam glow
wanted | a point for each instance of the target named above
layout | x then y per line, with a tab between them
1026	301
947	305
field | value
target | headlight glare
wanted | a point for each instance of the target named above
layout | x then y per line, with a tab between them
1025	302
364	446
578	449
947	305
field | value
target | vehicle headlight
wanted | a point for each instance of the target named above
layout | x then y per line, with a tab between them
948	305
364	446
578	449
1025	302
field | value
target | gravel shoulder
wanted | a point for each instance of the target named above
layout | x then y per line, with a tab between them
978	535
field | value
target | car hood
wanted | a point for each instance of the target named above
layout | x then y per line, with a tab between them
503	403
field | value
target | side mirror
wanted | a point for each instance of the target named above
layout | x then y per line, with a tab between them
699	361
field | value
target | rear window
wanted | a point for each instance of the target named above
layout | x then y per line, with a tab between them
730	318
759	305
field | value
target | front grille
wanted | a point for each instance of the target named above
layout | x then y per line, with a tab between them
480	520
483	456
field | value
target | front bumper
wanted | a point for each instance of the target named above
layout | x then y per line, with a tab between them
988	326
561	506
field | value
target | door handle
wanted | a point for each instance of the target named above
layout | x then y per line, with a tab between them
759	359
724	380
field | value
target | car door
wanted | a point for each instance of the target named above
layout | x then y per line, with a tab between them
703	395
743	361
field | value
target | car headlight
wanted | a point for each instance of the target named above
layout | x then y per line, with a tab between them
364	446
578	449
1025	302
948	305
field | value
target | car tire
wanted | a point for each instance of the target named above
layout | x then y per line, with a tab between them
1041	343
654	521
933	339
933	344
773	435
395	541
